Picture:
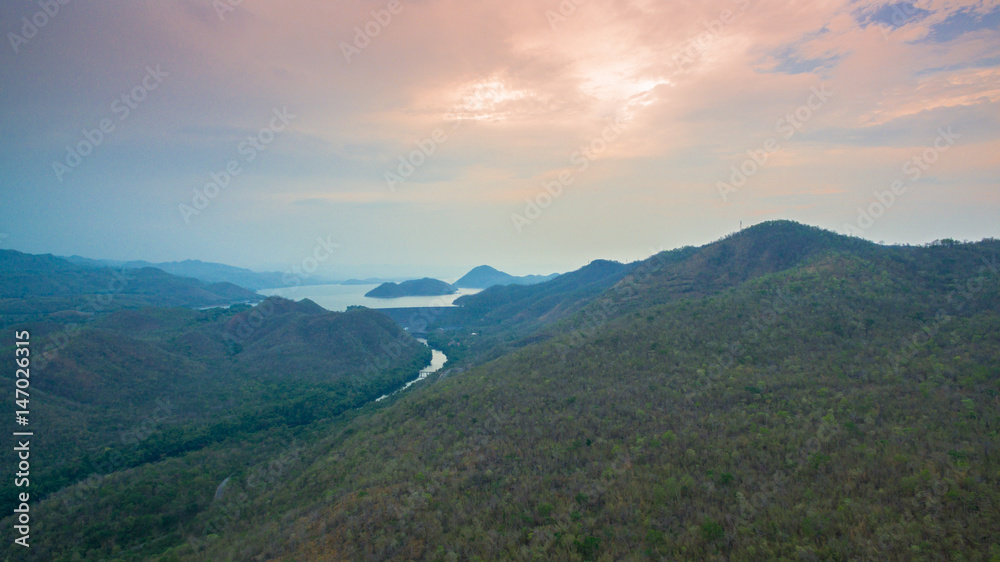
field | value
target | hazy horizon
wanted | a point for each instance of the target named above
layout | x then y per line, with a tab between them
448	273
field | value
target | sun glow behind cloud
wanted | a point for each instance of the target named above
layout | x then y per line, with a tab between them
695	92
492	100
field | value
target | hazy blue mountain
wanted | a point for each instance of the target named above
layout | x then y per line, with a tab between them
212	272
35	286
485	276
425	287
366	281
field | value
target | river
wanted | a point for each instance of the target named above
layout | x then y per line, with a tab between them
438	359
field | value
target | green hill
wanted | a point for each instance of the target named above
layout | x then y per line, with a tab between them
35	287
139	388
830	399
494	321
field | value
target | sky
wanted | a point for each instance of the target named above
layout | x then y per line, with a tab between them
426	137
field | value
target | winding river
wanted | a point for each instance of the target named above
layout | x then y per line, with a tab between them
438	359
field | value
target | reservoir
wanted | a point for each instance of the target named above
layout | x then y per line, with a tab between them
338	297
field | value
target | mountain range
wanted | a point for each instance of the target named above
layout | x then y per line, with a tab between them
211	272
781	393
35	287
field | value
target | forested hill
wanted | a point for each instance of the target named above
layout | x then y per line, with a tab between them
525	303
755	251
503	316
508	317
208	272
412	288
181	399
839	401
777	246
34	287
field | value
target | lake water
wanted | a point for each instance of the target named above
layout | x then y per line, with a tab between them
338	297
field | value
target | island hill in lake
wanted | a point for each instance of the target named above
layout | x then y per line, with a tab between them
425	287
484	276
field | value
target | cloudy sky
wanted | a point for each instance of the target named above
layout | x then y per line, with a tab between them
430	136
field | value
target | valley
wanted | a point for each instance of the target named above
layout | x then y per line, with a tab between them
782	392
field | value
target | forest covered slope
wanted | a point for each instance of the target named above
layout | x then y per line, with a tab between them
840	401
205	392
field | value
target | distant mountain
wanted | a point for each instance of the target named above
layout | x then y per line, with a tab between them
505	315
485	276
210	272
425	287
515	303
35	286
367	281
